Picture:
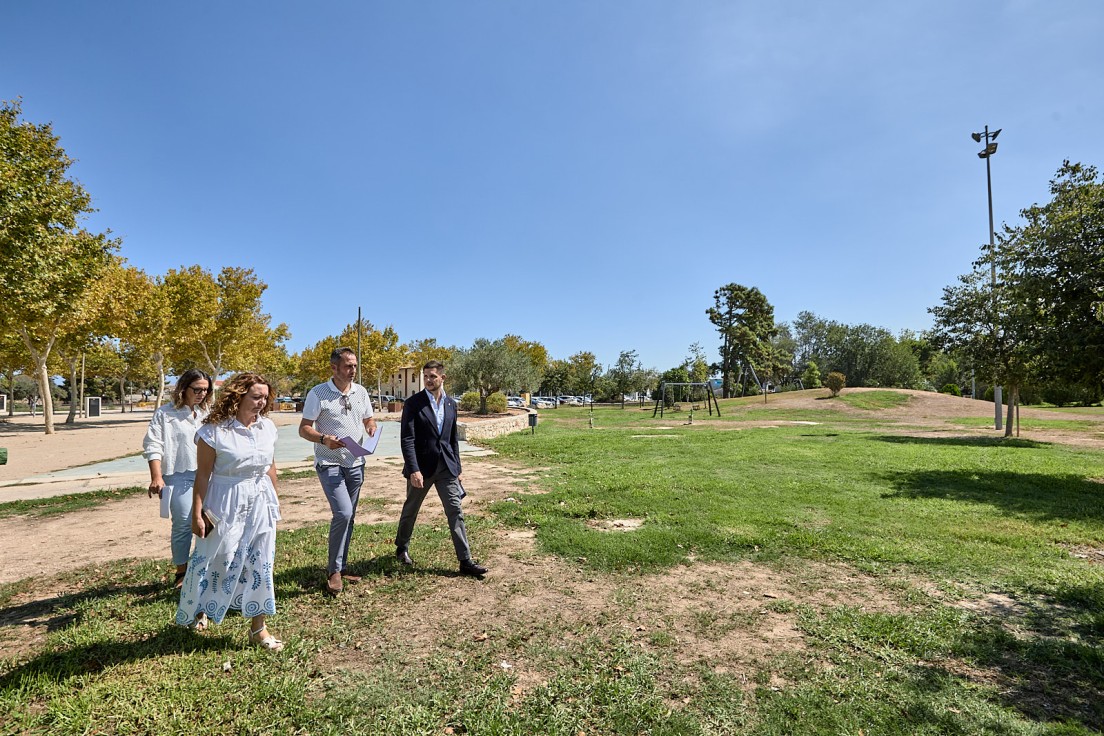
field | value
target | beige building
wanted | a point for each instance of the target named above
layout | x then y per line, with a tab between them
404	383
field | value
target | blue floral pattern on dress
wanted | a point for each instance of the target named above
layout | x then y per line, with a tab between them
233	570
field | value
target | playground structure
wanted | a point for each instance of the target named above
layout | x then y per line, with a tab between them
707	390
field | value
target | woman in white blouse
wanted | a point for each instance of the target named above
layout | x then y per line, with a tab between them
234	512
170	449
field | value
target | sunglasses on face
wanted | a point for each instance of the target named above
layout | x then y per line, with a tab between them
345	403
195	390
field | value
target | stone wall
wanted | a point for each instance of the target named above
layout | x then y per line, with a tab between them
488	428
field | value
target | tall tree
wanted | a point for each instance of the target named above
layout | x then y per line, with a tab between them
556	377
422	351
623	375
219	322
46	259
538	357
1057	265
382	354
583	372
489	366
745	320
89	323
996	329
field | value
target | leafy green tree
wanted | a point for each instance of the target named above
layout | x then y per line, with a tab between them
867	355
782	349
538	357
745	320
583	373
489	366
835	382
382	354
421	352
995	329
46	259
811	377
219	322
556	378
1055	265
944	369
623	374
678	374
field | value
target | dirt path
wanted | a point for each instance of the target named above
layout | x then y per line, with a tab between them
45	545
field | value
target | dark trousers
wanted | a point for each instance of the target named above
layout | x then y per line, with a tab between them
450	493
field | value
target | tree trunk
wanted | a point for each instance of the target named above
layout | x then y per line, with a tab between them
72	418
1013	399
42	372
11	394
122	394
47	396
159	360
726	370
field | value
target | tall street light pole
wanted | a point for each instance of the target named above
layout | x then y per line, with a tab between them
986	153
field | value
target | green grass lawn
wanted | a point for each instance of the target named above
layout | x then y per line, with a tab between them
929	520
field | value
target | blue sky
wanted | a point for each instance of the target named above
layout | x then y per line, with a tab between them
583	174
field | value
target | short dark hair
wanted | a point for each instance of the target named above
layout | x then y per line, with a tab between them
335	356
435	365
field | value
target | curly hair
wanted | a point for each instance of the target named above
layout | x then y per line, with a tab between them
231	394
185	380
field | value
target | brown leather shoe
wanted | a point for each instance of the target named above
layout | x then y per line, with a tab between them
350	578
333	584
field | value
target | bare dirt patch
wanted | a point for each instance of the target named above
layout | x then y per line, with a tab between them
730	617
615	525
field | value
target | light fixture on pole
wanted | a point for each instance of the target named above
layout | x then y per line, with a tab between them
990	138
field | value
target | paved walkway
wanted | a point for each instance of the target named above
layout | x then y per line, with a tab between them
292	452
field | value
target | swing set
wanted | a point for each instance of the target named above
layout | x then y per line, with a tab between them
707	390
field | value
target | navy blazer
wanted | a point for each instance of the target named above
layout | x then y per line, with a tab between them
423	449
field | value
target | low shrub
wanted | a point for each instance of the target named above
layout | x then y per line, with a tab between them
835	382
469	401
496	403
951	388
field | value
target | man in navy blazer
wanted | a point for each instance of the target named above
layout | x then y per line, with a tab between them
431	455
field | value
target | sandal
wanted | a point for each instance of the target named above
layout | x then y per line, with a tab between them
201	622
178	583
270	642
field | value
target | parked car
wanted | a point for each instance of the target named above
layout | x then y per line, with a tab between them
515	402
542	402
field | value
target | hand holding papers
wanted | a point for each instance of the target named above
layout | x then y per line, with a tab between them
367	448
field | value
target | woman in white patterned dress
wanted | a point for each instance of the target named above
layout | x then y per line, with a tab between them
235	492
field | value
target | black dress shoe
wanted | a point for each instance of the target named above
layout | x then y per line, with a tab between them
403	557
471	567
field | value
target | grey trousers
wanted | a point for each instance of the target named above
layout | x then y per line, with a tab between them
449	491
342	489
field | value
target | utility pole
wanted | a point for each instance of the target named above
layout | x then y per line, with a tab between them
986	153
